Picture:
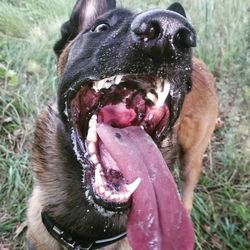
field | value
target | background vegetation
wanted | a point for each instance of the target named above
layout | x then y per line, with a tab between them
28	30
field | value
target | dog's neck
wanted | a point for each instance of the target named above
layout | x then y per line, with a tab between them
73	242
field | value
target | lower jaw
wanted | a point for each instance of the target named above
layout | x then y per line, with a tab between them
111	206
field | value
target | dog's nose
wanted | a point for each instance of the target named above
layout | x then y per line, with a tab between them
162	31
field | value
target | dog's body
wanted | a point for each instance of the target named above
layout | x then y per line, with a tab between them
54	163
195	126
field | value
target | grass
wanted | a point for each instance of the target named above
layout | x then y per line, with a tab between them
28	30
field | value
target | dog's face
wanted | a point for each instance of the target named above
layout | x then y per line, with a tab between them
121	69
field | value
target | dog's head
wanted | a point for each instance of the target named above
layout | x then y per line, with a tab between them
120	70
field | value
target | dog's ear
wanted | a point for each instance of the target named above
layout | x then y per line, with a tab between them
177	7
82	17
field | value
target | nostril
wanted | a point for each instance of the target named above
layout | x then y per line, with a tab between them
184	38
155	30
148	31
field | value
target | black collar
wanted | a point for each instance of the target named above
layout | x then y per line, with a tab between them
73	242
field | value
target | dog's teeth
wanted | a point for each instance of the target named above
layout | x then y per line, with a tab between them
107	194
95	86
112	197
159	85
101	190
107	84
152	97
166	85
162	90
92	148
130	188
122	197
119	197
98	177
94	159
93	121
118	79
100	84
92	135
126	196
115	197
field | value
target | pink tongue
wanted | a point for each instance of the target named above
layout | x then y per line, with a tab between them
157	219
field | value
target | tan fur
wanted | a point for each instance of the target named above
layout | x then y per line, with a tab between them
63	60
44	140
195	127
47	158
37	233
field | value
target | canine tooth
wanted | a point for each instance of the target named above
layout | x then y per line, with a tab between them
166	83
163	93
122	197
126	196
133	186
118	79
159	85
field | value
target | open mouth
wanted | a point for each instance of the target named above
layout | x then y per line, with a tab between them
121	101
115	125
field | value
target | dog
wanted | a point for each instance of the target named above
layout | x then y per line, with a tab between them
129	91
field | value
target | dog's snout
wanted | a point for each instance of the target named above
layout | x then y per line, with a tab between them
162	31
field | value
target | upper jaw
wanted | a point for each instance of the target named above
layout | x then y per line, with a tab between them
157	90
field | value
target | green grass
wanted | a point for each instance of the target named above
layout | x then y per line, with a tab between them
28	30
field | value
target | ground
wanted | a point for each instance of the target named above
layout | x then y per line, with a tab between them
28	30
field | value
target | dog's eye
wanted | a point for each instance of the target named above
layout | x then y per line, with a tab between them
101	28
